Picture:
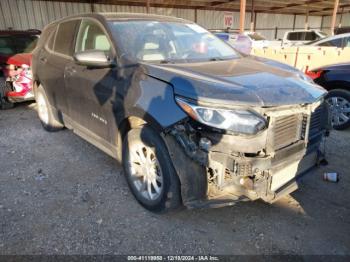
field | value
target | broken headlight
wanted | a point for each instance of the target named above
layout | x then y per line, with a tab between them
234	120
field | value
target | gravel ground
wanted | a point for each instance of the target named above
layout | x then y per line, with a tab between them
61	195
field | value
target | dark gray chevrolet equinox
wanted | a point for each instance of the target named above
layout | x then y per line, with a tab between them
193	121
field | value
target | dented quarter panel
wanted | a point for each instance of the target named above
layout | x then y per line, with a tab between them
152	100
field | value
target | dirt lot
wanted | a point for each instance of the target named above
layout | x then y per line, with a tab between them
61	195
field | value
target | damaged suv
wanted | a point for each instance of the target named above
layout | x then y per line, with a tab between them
192	121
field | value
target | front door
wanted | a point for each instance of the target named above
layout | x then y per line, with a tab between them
90	89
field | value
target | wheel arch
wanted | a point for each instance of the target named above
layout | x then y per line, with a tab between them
130	122
333	85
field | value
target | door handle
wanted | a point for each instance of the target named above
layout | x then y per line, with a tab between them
43	59
70	70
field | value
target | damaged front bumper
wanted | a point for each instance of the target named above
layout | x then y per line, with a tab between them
218	169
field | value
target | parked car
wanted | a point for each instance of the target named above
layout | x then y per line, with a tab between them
15	62
339	41
244	42
240	42
192	121
342	30
301	37
336	79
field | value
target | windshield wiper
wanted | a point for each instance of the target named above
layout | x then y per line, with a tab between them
216	59
165	61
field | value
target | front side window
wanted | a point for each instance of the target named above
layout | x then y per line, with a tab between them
155	41
91	37
65	37
310	36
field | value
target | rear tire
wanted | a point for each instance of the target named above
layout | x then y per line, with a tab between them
46	116
149	170
4	103
339	101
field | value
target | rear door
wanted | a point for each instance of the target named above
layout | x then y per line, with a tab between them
53	60
90	89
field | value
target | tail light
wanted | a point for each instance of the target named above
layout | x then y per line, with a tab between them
314	74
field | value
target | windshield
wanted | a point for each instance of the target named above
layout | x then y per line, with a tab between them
163	42
10	45
256	37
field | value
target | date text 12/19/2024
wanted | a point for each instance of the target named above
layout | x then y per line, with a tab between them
173	258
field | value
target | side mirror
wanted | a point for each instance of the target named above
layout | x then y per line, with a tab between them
93	58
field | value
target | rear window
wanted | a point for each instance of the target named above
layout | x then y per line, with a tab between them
224	37
65	37
302	36
17	44
25	44
256	37
6	45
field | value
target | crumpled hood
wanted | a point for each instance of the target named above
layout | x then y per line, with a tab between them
243	81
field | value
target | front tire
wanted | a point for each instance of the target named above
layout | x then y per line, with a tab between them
149	170
46	116
339	101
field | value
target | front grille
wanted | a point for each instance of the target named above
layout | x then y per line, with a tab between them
287	130
292	128
244	169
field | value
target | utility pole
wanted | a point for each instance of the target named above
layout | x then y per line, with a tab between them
334	16
242	16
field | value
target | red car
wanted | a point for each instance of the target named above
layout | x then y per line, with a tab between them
15	63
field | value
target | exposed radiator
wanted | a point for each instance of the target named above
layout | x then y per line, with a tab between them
287	130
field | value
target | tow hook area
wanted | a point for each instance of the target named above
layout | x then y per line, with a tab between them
195	147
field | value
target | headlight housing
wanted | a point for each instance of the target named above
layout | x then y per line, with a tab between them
234	120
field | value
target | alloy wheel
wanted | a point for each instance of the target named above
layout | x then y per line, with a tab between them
340	110
146	174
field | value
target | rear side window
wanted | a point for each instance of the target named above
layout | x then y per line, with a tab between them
92	37
294	36
65	37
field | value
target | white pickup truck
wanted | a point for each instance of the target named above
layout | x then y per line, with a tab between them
301	37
